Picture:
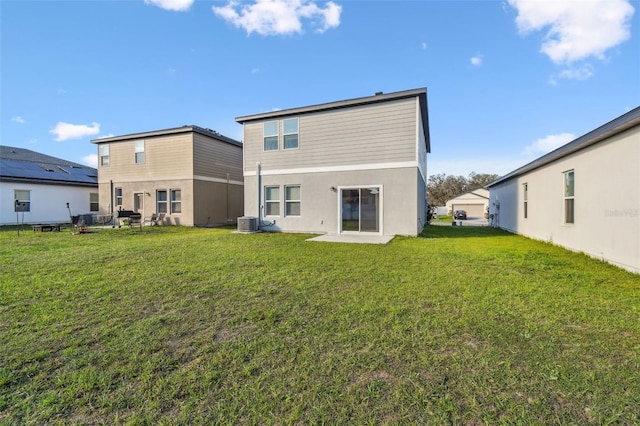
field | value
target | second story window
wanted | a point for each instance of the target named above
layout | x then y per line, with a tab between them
271	136
290	133
139	152
104	154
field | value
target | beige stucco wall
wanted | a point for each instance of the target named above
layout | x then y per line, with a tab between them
607	201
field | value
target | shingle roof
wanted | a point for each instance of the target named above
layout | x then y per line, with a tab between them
24	165
421	93
615	126
175	130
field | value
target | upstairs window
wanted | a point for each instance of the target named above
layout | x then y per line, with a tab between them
290	132
272	200
139	152
270	130
569	198
22	199
104	154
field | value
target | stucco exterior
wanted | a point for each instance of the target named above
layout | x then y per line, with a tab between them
606	177
49	183
377	145
199	166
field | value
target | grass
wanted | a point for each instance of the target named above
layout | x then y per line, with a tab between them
177	325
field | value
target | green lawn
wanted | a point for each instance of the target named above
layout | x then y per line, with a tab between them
177	325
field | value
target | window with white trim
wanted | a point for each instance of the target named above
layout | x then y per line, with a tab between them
292	200
93	202
525	189
290	133
272	200
104	154
118	197
271	140
569	197
176	201
139	152
22	201
161	201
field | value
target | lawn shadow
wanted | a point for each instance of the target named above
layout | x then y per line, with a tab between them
439	231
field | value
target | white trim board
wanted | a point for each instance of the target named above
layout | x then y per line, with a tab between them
333	169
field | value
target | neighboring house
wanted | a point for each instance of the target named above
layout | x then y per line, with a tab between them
42	186
475	203
352	166
583	196
190	175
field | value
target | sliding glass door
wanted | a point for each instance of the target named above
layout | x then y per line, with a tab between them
360	209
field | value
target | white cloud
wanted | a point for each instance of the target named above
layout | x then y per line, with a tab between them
576	29
424	45
255	71
19	119
549	143
110	135
64	131
271	17
90	160
173	5
580	73
476	60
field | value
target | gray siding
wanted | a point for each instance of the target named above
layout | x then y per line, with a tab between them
369	134
215	159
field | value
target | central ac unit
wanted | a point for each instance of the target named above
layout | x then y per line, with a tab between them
247	224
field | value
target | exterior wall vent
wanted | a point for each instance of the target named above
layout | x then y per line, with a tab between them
247	224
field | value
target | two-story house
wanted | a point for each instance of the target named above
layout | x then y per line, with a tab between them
351	166
188	175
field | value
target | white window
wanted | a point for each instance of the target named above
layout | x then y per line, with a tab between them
290	132
270	129
118	197
525	188
104	154
93	202
292	200
161	201
569	197
272	200
139	152
176	201
22	199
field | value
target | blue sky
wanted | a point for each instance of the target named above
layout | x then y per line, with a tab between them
507	81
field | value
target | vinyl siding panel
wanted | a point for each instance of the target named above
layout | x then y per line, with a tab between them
215	159
369	134
168	156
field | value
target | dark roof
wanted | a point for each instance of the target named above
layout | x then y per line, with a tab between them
172	131
421	93
612	128
24	165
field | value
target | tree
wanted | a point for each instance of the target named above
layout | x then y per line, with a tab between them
441	187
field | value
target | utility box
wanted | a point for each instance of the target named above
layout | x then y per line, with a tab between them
247	224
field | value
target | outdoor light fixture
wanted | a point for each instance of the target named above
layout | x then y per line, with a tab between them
333	188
